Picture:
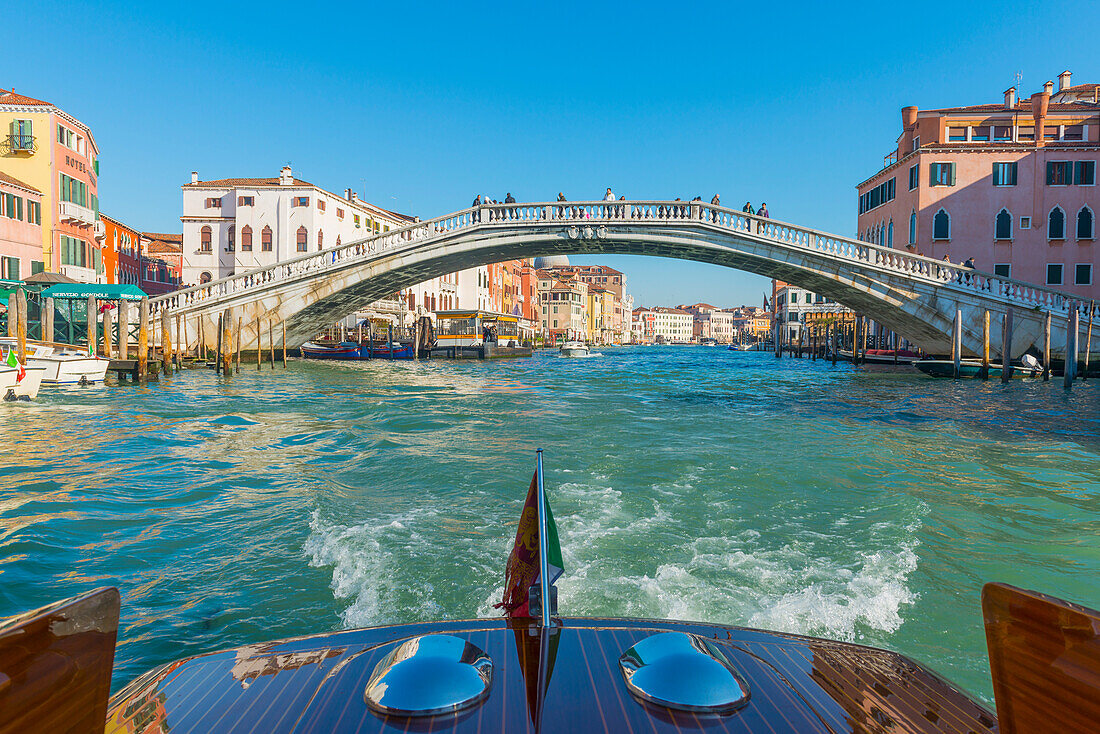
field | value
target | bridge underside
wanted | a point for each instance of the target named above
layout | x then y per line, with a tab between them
918	309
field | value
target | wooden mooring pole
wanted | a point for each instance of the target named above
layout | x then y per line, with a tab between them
1006	351
218	353
1088	344
1069	374
240	327
124	330
956	343
108	333
283	322
180	346
165	341
1046	349
91	321
259	341
227	343
271	340
985	345
143	338
200	345
47	319
20	324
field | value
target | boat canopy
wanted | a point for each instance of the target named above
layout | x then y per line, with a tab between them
94	290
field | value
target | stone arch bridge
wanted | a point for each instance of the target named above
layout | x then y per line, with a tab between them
912	295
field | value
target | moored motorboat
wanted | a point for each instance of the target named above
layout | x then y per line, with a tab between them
20	384
882	356
973	368
341	351
389	350
573	349
536	671
63	364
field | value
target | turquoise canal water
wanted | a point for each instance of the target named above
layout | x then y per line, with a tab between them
690	483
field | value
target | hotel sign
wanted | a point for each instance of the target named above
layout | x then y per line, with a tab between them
77	164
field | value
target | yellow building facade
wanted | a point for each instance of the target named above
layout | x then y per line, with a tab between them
56	154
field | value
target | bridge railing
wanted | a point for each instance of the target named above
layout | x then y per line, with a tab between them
660	213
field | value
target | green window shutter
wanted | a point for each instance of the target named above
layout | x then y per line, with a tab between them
1050	173
952	172
95	166
932	174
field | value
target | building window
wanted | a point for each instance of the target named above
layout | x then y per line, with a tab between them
1025	222
1084	173
246	239
265	238
1002	270
916	142
1002	132
1002	229
941	174
303	236
979	134
1073	132
213	203
231	244
890	234
1082	274
1004	174
339	214
300	201
912	228
1050	132
1059	173
914	176
1056	224
320	239
320	205
941	226
205	237
1054	274
246	201
1085	224
356	219
956	134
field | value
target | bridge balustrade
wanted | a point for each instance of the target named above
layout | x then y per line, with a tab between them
689	213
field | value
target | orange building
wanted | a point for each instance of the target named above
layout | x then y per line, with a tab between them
121	251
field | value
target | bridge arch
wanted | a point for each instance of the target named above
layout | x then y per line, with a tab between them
913	295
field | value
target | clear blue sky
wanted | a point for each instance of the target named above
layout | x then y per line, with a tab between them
420	106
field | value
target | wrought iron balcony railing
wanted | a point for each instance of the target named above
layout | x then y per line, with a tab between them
20	144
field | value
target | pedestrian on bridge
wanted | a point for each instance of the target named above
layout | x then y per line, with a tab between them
608	210
475	205
561	209
763	213
509	199
748	208
713	213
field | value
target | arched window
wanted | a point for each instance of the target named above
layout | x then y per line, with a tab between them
205	238
205	277
1002	227
890	234
1056	224
433	303
941	226
320	239
303	235
913	227
881	233
265	238
426	302
232	234
412	301
246	238
1086	229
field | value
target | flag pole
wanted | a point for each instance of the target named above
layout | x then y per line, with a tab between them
544	544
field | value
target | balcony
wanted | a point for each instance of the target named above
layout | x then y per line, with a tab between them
79	274
20	144
99	230
76	214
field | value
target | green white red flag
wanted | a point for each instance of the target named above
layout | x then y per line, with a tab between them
522	571
13	361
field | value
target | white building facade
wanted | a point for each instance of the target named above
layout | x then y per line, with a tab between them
236	224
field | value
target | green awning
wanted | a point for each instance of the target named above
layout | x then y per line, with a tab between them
103	292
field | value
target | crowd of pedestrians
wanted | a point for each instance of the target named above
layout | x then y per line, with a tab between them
503	210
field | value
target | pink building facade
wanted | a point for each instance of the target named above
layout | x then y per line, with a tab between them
20	229
1011	185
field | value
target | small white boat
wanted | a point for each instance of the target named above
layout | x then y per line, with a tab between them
63	365
573	349
12	388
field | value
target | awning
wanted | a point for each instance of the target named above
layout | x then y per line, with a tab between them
103	292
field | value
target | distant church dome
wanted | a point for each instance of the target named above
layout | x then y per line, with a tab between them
551	261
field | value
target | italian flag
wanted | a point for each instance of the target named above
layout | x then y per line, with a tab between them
13	361
522	571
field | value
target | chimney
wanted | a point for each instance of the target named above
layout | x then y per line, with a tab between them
347	194
1063	80
285	177
908	117
194	176
1010	98
1048	88
1040	101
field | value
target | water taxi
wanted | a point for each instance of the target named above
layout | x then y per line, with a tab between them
573	348
534	670
63	364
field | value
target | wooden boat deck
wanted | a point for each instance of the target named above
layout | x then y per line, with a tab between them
316	684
